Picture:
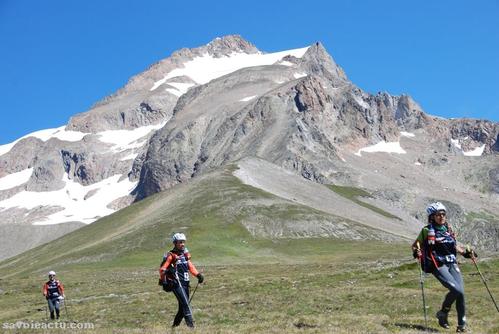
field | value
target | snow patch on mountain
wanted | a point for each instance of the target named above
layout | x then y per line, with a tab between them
175	92
47	134
206	68
248	98
179	88
286	63
127	139
383	146
15	179
476	152
131	156
407	134
455	142
299	75
77	207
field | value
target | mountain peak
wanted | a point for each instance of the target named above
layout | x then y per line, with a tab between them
319	61
229	44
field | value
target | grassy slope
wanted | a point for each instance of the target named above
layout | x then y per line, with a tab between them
253	284
210	210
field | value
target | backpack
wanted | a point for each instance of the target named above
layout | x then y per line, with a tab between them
168	285
168	282
427	263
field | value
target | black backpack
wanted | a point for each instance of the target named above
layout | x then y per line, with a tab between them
169	278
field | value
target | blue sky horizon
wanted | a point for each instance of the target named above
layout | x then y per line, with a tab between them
59	58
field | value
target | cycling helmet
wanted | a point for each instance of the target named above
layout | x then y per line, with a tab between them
434	208
179	237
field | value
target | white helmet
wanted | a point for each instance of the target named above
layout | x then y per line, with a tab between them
51	273
179	237
434	208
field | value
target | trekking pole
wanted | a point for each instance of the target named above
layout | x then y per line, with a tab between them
66	308
46	312
192	296
484	282
421	282
183	292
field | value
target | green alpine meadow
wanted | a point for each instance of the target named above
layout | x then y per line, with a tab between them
253	283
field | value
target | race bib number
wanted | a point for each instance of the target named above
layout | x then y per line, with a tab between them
450	258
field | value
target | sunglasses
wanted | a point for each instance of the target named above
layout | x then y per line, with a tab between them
442	214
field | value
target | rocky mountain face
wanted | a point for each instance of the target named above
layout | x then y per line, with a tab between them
207	107
137	105
301	124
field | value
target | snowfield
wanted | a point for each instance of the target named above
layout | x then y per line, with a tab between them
206	68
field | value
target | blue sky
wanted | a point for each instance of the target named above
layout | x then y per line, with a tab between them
59	57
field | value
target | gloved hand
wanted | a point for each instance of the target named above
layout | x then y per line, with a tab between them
469	253
200	278
416	253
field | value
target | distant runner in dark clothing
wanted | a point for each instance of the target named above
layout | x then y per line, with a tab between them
174	276
53	290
